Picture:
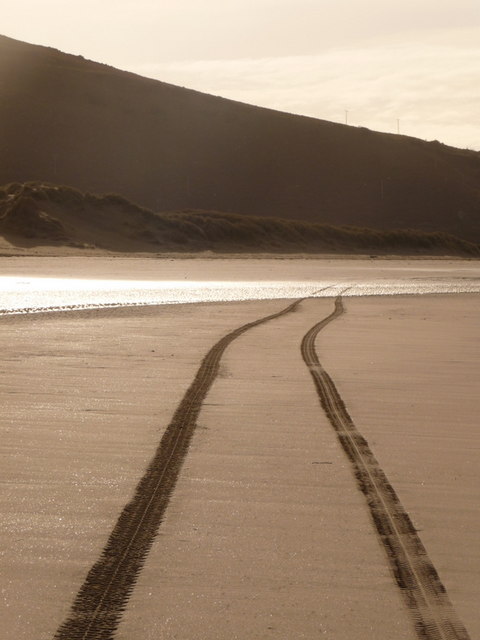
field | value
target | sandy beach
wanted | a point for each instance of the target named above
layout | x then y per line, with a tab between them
266	533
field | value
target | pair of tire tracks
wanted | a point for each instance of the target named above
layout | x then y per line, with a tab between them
103	597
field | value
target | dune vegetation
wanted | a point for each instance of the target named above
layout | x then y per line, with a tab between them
35	214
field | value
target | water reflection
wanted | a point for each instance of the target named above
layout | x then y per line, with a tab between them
29	295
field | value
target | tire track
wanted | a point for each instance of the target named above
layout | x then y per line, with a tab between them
100	602
425	596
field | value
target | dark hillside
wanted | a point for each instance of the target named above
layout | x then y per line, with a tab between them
70	121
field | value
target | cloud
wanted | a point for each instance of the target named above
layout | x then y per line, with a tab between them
432	88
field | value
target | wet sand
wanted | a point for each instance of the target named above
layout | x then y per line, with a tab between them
202	267
266	534
408	369
85	400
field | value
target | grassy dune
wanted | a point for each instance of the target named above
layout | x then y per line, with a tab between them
35	214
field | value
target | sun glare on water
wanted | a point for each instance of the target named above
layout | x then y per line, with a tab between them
29	295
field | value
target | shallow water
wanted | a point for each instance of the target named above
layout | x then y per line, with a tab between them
37	294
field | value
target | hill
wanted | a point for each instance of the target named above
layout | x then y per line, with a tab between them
36	214
70	121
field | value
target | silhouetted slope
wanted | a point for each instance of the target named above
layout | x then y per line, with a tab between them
36	214
71	121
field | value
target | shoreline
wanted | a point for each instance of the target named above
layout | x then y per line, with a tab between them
210	255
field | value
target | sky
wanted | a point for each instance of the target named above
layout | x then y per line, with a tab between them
407	66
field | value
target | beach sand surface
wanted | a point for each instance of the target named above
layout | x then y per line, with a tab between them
257	268
85	400
408	369
267	534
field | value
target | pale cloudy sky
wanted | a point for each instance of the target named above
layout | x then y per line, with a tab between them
408	65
